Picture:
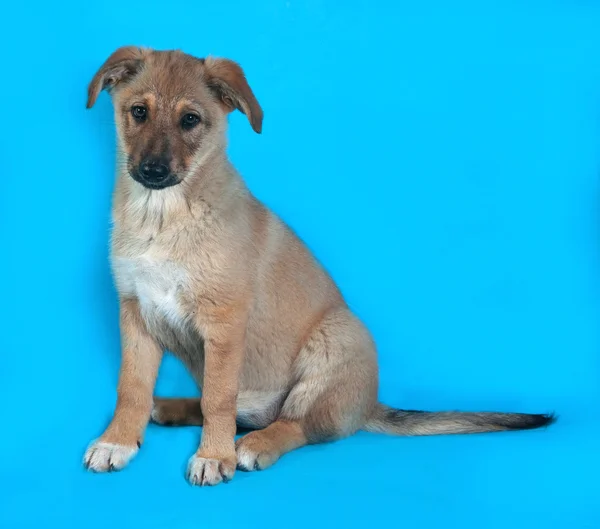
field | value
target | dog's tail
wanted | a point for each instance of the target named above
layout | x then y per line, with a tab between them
408	422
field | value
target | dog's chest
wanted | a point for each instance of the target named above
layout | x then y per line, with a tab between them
157	283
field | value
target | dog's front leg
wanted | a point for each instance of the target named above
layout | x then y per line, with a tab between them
141	356
215	460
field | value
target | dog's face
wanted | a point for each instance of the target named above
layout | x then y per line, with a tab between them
171	109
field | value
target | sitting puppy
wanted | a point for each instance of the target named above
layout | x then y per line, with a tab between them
204	270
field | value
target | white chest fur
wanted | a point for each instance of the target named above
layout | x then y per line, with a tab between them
156	283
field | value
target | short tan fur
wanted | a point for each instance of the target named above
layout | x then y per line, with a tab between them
206	271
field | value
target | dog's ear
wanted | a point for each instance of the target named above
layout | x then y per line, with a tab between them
227	80
120	66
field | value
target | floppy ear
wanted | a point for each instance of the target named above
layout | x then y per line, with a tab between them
121	65
227	80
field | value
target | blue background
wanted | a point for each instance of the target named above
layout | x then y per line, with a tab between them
443	163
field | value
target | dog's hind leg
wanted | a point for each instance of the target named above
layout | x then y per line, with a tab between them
255	409
334	394
177	412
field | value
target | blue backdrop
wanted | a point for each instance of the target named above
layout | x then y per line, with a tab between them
442	162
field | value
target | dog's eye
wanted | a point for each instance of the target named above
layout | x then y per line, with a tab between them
139	112
189	121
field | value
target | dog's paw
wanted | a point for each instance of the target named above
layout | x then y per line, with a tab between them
106	457
203	471
157	416
255	452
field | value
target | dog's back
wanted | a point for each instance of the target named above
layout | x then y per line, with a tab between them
205	270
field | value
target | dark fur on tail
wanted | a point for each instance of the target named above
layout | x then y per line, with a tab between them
408	422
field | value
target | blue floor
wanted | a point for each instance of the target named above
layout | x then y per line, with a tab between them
443	163
538	479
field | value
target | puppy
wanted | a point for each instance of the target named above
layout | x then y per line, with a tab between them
204	270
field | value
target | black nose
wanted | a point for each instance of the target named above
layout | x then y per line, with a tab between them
154	170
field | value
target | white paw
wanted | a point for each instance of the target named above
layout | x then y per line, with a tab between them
203	471
155	415
247	459
106	457
254	453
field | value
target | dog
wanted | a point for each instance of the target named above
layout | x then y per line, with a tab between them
206	271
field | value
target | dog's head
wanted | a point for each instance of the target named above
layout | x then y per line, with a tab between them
171	109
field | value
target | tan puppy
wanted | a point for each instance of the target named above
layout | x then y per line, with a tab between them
204	270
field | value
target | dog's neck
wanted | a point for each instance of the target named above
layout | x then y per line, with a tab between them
213	184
